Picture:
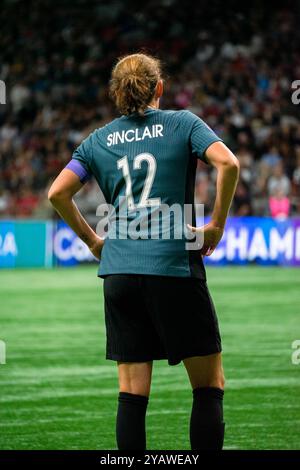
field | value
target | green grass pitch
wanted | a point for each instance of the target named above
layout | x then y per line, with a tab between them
57	390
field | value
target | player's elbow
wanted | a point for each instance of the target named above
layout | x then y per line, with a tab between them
52	195
55	195
232	165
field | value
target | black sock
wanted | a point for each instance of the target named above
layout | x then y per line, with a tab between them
206	425
130	426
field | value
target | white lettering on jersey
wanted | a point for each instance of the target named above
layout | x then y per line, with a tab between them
109	140
135	135
159	130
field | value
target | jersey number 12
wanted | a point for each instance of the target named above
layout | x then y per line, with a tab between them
145	201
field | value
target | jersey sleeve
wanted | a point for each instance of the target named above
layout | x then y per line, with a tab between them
201	136
81	158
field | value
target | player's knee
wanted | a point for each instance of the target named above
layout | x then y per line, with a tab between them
216	381
134	385
221	381
135	389
135	378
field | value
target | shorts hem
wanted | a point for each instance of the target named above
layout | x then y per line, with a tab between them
172	361
128	358
209	352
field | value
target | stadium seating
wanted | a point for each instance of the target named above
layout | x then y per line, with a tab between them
236	75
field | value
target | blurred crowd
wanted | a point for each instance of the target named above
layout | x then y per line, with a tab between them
234	68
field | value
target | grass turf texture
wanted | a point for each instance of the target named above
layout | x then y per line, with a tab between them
59	392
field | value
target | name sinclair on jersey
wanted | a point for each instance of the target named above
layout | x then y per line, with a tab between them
134	135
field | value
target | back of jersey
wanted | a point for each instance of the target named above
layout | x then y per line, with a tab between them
145	167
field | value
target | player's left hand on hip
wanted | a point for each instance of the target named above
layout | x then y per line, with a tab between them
212	235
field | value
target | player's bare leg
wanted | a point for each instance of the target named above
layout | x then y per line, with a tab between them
207	380
135	377
205	371
134	386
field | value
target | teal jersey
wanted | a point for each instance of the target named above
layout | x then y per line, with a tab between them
147	163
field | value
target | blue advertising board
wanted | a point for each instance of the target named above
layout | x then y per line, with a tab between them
264	241
8	245
26	244
68	249
260	240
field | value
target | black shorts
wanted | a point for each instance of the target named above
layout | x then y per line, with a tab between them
158	317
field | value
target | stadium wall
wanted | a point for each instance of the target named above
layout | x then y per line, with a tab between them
247	240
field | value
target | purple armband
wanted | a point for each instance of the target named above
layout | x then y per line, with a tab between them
79	170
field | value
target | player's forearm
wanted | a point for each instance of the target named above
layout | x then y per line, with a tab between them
227	178
70	213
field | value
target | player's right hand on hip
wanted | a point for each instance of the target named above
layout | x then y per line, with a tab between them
96	247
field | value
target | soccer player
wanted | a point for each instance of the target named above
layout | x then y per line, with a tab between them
157	304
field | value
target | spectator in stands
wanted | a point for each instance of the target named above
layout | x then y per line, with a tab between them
279	204
4	202
271	158
279	184
242	200
26	202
